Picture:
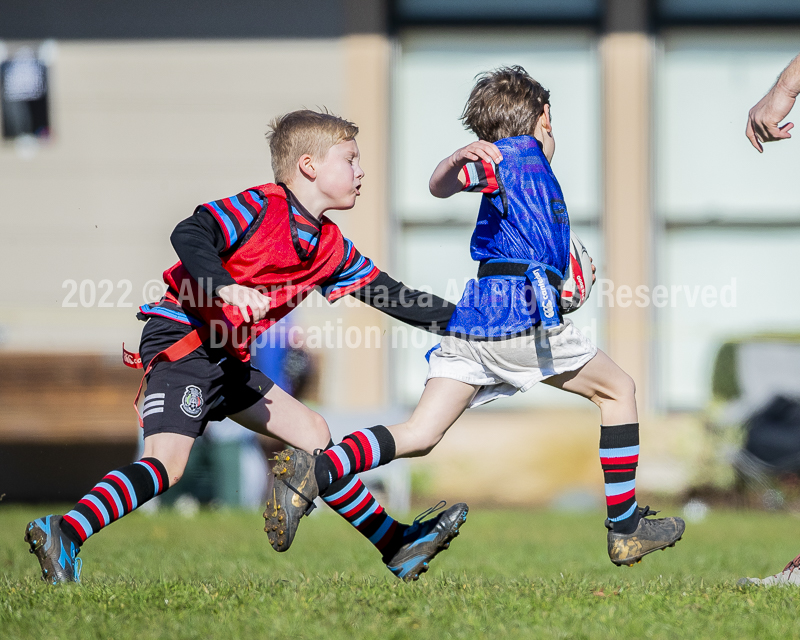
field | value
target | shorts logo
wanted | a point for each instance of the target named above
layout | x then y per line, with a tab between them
192	401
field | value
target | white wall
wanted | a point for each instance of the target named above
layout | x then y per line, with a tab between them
707	171
142	133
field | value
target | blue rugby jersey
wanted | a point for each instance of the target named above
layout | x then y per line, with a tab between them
522	218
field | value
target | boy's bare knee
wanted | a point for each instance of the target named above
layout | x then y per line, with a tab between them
626	388
322	432
174	468
424	440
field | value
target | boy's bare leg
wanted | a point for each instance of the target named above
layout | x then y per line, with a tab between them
442	403
631	536
172	450
281	416
602	381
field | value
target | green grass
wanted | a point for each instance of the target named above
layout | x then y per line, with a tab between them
510	574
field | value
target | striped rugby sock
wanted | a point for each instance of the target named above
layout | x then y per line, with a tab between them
355	503
360	451
619	456
116	495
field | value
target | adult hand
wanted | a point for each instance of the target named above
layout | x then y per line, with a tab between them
249	301
764	119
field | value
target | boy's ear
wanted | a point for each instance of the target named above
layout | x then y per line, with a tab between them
307	166
545	118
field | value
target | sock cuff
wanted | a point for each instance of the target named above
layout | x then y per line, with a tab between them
620	435
161	471
385	442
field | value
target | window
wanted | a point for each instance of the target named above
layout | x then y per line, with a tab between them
498	10
23	86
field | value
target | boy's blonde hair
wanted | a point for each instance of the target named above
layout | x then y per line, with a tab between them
504	103
299	132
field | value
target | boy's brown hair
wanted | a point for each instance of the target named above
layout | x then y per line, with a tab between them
299	132
504	103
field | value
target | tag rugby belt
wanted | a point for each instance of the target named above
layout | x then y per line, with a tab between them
548	296
517	269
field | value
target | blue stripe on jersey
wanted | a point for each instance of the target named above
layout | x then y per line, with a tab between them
308	237
172	314
241	209
472	172
224	219
255	194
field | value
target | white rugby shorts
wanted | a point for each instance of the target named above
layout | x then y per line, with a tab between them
503	367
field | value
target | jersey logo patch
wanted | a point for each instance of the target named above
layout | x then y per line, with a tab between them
559	210
192	401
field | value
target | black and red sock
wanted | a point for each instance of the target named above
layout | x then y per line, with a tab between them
116	495
356	504
619	456
360	451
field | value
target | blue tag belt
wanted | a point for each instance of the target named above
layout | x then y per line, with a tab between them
545	282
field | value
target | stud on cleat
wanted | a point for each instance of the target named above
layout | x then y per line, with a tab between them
293	493
57	554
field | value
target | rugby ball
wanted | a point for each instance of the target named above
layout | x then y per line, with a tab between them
577	284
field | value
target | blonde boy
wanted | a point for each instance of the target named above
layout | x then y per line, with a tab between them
245	262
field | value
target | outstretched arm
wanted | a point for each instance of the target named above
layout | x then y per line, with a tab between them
447	178
419	309
764	119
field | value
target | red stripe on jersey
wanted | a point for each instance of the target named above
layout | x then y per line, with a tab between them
110	499
467	183
221	224
232	210
252	201
625	460
491	179
78	527
622	497
361	282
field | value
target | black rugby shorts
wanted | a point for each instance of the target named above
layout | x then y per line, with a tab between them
208	384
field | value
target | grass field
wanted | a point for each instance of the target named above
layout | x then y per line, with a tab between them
510	574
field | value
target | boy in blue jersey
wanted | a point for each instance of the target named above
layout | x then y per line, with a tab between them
507	332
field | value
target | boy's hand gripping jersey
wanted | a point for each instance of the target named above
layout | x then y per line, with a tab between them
273	256
522	241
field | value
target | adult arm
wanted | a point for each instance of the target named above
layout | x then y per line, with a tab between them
448	179
763	121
